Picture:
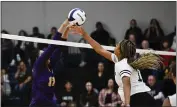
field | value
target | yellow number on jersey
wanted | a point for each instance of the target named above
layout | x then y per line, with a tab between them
51	81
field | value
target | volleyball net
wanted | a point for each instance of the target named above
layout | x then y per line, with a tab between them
74	44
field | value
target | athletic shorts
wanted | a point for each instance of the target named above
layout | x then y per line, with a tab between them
142	100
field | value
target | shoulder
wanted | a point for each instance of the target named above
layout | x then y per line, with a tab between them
123	68
123	65
102	91
114	58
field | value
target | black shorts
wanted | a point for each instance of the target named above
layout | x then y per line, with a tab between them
142	100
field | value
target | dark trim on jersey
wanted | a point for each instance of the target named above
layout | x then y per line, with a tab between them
125	71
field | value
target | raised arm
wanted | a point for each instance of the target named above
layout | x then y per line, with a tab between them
56	54
96	46
51	48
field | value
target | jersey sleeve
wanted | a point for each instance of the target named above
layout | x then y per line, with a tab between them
124	69
114	58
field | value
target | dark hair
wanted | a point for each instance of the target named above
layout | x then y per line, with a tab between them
36	29
165	40
21	62
4	32
146	61
25	33
101	63
114	87
134	21
99	24
157	23
54	28
67	81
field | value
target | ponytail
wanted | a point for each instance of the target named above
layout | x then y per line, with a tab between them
148	61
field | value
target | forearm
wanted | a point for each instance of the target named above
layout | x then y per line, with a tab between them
47	53
65	33
57	53
16	74
96	46
100	101
27	80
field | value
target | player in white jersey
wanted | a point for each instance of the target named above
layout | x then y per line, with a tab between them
170	101
132	89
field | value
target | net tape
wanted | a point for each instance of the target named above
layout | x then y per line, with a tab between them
74	44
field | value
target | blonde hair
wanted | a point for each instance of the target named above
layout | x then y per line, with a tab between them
146	61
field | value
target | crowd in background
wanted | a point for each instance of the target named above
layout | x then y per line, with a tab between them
87	79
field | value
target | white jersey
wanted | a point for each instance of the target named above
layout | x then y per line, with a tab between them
122	68
172	100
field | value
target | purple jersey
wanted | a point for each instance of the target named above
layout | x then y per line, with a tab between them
43	78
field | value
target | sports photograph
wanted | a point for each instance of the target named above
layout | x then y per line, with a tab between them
88	53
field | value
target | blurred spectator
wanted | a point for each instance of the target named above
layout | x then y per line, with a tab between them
7	51
52	33
19	50
132	38
172	39
23	77
100	78
90	97
166	58
167	69
170	101
6	89
155	90
169	87
174	43
145	45
84	54
100	35
37	34
67	96
154	34
136	30
108	97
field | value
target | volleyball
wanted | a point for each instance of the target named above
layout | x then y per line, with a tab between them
77	16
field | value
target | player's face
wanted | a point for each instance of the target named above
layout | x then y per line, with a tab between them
117	50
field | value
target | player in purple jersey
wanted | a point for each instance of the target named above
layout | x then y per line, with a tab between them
43	77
